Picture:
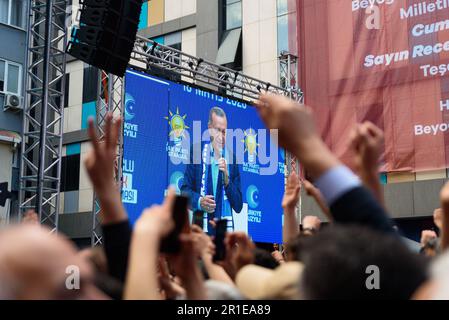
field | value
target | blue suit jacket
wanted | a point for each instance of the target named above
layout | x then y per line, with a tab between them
192	184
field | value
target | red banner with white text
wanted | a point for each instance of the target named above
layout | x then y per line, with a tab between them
386	61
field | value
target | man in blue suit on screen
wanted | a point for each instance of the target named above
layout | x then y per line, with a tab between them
212	179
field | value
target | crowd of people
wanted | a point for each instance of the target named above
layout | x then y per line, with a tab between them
358	255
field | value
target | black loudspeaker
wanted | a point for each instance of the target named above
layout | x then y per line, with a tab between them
107	32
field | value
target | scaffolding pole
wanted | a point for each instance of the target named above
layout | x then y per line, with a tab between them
110	98
288	78
43	111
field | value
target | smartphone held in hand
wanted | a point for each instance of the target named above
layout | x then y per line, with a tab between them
220	248
171	244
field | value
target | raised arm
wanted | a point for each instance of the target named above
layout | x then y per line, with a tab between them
100	166
150	228
349	202
367	142
207	250
313	192
289	202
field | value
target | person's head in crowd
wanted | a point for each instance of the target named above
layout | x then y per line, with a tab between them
352	262
258	283
37	265
311	225
264	259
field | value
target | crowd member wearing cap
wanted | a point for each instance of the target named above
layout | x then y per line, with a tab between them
258	283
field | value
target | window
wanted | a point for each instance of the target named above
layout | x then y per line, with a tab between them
67	90
282	13
230	49
282	34
233	12
13	12
173	40
10	77
2	75
70	173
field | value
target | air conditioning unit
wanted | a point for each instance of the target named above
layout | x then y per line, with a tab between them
13	103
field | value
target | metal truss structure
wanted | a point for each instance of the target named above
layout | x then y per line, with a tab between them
288	75
154	58
288	78
110	98
43	111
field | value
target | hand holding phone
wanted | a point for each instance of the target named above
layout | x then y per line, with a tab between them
180	216
220	248
198	218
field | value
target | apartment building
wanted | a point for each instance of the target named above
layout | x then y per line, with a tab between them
13	35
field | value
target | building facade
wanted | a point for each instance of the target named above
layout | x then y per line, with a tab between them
13	35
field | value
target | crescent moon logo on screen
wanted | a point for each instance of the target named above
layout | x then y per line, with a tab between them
130	104
176	180
252	196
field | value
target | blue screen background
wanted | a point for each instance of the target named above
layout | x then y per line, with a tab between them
150	103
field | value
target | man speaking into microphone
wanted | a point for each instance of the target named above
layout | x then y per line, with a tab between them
213	183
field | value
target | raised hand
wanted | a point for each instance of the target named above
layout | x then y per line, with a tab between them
239	250
186	266
312	191
206	247
367	140
291	197
100	166
426	236
291	194
100	161
297	133
158	219
277	255
170	288
142	280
